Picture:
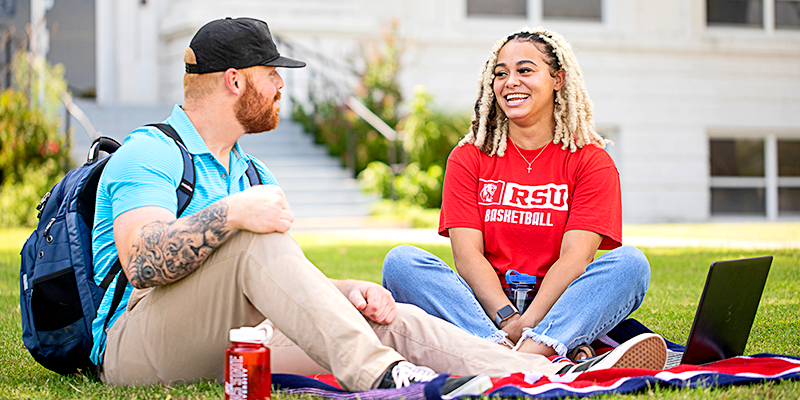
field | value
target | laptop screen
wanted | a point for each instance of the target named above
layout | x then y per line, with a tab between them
727	309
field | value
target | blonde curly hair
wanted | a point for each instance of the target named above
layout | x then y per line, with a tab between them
573	111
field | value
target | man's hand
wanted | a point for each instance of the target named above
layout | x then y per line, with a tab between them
373	300
260	209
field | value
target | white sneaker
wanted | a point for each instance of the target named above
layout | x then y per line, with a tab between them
645	351
404	373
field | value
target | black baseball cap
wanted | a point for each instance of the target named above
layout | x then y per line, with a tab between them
235	43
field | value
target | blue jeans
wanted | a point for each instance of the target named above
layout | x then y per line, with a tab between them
612	287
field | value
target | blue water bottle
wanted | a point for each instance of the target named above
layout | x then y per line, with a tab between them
521	289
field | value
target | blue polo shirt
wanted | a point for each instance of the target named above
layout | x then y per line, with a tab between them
146	171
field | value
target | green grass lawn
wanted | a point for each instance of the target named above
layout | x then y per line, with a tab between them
677	280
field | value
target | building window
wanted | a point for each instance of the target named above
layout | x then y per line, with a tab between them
735	12
738	201
737	176
737	157
789	177
750	13
587	10
758	177
590	10
787	14
497	8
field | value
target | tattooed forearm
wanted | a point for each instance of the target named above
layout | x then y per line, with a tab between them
167	251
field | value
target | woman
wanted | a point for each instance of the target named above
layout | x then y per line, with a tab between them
529	189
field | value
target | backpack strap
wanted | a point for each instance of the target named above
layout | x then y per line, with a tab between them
185	192
119	290
110	275
252	174
185	189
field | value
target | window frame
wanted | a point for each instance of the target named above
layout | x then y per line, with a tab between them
768	24
603	11
770	182
499	16
535	15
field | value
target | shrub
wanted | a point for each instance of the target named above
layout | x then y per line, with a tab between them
44	93
413	186
378	88
377	178
28	138
420	187
18	199
431	134
33	155
331	124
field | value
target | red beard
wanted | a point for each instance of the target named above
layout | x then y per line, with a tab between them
255	112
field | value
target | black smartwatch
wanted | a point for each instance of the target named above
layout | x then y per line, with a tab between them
504	313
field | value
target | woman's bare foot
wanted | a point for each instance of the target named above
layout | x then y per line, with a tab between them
581	353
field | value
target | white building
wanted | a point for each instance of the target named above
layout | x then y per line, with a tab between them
701	97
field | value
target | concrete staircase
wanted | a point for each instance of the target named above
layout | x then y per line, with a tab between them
321	193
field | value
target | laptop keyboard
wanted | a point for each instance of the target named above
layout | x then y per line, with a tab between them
673	359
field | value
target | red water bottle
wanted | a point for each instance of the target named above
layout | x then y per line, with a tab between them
247	364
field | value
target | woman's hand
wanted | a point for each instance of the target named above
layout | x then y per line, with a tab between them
473	266
577	251
513	327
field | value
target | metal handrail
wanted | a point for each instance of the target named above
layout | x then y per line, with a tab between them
74	110
323	69
329	76
375	121
9	33
79	115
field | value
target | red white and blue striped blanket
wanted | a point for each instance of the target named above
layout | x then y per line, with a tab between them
734	371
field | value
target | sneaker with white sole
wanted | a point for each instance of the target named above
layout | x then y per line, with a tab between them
645	351
467	386
404	373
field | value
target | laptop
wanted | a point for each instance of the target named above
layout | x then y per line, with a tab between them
726	312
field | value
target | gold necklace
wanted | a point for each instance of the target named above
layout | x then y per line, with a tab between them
523	157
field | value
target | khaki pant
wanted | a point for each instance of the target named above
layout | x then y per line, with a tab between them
178	332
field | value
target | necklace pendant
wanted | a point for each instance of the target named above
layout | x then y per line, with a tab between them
529	169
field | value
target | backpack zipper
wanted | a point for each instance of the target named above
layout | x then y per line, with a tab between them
49	225
42	203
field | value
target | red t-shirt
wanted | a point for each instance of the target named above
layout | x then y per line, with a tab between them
523	216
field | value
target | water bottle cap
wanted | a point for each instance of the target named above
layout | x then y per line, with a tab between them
249	334
515	278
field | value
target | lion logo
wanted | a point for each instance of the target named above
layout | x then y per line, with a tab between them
487	193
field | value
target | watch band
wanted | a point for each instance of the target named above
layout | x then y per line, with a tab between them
504	313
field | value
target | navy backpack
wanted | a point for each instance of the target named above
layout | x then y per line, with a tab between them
58	294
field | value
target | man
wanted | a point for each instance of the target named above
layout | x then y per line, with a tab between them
227	262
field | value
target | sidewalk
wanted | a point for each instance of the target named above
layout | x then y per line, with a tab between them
429	236
643	241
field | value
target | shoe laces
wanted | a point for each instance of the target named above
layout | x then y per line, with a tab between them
406	373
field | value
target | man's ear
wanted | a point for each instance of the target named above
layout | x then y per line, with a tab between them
234	81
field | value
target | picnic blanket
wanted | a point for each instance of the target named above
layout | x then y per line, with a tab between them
734	371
